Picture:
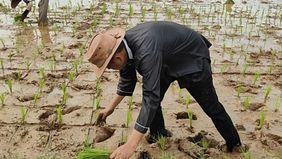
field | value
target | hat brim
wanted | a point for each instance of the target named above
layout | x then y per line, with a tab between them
14	3
114	31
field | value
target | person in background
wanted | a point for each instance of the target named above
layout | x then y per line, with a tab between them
43	9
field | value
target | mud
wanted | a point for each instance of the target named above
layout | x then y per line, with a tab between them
184	115
246	40
103	133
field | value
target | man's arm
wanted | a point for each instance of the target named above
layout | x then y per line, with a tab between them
104	113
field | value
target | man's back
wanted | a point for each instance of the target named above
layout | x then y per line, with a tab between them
182	48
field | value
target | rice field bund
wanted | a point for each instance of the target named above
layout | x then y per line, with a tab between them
50	97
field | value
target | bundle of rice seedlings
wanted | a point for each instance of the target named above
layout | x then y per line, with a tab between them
18	17
89	153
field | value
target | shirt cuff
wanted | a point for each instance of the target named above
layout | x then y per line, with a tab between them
140	128
124	93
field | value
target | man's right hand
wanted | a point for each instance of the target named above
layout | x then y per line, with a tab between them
102	116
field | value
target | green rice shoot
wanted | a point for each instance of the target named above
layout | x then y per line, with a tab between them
89	153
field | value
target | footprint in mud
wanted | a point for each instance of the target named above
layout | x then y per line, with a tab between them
256	106
82	87
202	136
275	137
144	155
46	114
191	149
25	98
184	115
70	109
102	134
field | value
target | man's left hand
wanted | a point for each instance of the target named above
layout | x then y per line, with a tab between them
123	152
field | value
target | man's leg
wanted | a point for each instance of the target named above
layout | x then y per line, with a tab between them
201	87
14	3
157	127
27	10
43	9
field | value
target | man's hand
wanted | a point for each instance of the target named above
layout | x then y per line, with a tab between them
126	151
123	152
103	114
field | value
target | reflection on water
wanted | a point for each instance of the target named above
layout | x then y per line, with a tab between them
27	37
45	35
228	7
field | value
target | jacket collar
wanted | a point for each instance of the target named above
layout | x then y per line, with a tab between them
128	50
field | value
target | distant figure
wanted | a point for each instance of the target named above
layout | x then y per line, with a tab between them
43	9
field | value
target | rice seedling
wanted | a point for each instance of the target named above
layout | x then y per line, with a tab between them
89	153
246	103
2	99
59	113
98	102
9	83
143	13
104	8
65	93
36	97
18	75
245	70
2	42
117	9
277	104
168	13
267	92
98	87
75	66
111	21
122	139
2	66
23	117
223	68
86	141
81	50
71	76
270	68
128	117
167	156
52	65
187	101
190	118
155	12
130	9
261	120
93	25
179	93
42	74
181	11
62	49
27	64
130	102
204	143
246	155
256	77
238	90
41	85
10	55
162	141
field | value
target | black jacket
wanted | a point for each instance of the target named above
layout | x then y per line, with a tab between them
160	49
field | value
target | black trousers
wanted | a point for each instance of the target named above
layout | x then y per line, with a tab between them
200	86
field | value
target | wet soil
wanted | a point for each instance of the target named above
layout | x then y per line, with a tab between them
246	40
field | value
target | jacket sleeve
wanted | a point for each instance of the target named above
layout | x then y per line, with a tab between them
150	69
127	80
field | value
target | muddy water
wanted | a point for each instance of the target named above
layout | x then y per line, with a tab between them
248	32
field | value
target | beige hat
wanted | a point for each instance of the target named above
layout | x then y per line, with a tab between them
102	47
